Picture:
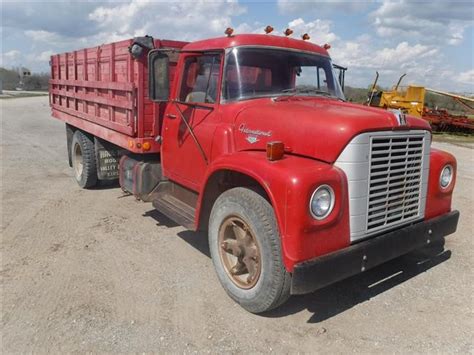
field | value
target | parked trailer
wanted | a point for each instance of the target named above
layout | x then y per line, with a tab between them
442	121
249	138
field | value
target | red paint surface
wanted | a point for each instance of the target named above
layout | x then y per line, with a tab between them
314	127
255	40
289	184
438	201
110	101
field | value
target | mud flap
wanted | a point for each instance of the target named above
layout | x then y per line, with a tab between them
69	134
107	156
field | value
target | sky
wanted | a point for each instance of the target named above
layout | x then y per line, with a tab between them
431	41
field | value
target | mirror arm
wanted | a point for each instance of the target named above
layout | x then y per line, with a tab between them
194	104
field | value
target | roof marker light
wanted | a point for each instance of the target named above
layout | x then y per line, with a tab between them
288	32
229	31
326	46
268	29
305	37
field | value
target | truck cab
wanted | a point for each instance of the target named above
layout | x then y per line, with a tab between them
296	187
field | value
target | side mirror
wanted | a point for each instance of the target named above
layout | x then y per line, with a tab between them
342	74
158	76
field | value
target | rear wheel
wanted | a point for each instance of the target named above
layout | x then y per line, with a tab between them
246	250
83	160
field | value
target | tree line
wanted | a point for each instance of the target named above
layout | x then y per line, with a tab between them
10	79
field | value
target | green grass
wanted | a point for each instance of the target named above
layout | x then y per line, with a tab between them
461	139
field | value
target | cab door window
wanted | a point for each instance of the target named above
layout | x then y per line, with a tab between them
306	75
200	79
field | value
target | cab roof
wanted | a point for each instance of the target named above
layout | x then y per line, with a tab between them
221	43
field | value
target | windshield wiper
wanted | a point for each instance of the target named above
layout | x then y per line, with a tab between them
295	91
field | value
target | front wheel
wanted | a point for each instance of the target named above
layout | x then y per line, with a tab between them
246	250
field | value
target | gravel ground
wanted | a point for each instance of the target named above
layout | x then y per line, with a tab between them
98	271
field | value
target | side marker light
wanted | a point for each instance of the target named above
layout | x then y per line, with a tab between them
275	150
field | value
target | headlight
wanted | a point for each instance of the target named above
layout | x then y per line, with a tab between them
322	202
446	176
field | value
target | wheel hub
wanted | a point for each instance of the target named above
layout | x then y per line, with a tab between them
78	161
239	252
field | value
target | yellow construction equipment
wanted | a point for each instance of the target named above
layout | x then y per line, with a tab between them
411	100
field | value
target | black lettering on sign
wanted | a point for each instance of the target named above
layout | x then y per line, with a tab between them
108	157
108	165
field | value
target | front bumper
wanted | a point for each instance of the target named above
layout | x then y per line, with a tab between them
313	274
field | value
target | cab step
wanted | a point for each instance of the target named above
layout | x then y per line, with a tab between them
176	202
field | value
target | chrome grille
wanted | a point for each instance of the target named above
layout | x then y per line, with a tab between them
395	173
387	177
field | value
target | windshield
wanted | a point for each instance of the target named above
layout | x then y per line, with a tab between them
259	72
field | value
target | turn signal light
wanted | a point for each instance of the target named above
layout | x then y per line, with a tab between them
146	146
327	46
268	29
130	144
305	37
229	31
288	32
275	150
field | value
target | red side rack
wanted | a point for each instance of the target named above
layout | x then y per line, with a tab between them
104	91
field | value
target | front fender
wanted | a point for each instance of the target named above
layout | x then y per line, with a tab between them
289	184
438	200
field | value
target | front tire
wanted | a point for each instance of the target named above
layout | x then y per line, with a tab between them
246	250
83	160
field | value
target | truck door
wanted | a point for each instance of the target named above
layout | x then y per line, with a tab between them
190	120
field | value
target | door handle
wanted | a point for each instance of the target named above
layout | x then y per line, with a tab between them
170	115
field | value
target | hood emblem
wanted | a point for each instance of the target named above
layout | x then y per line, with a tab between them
255	132
402	119
252	139
400	116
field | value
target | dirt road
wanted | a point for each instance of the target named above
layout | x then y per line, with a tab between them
97	271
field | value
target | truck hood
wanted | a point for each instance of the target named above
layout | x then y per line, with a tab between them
319	128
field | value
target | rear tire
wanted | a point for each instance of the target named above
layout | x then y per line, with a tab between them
83	160
245	246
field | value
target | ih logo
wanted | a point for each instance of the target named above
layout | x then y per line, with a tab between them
252	139
402	119
400	116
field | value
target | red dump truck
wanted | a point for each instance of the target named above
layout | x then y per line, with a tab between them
249	137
